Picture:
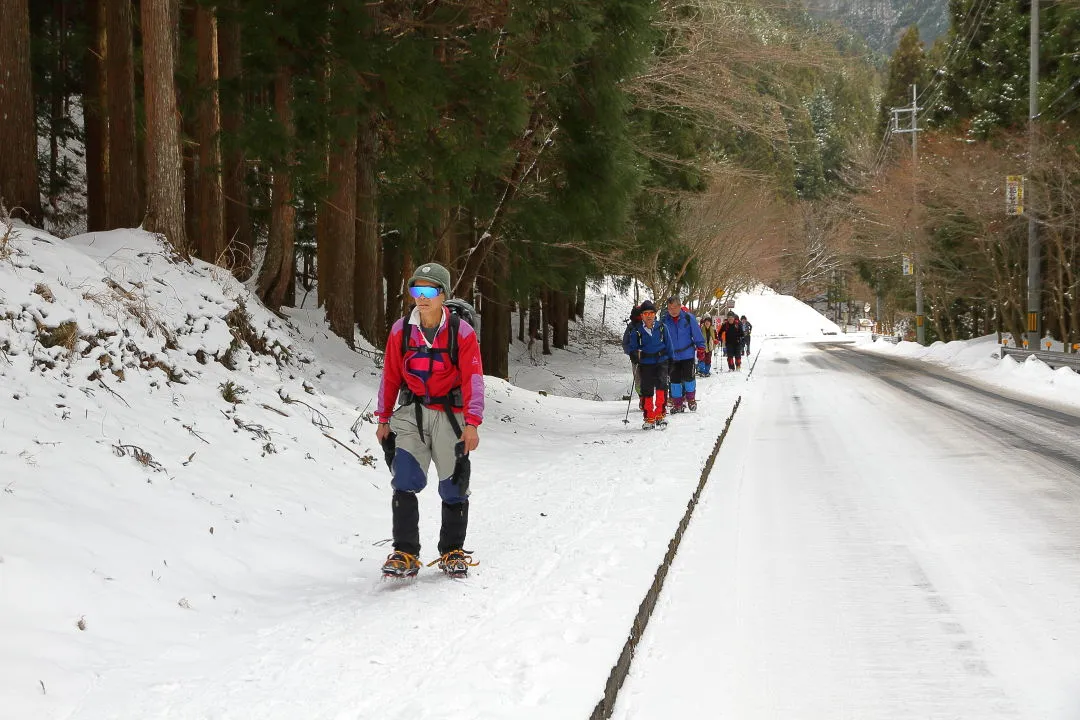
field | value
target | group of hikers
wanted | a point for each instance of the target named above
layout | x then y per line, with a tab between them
669	353
431	400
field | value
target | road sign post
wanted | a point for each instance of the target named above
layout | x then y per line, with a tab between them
1014	195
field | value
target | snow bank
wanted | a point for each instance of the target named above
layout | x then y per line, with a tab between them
979	359
774	315
141	508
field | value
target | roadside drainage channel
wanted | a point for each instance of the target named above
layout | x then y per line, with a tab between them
621	669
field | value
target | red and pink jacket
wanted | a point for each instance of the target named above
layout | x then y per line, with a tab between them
431	375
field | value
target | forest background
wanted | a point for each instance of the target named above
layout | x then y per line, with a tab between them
318	150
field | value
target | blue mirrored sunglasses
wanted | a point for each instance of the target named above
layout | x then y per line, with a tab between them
425	291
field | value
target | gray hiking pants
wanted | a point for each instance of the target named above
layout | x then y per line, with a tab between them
413	456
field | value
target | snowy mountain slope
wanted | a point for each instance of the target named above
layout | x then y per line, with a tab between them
168	553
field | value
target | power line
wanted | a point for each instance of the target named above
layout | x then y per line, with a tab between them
956	53
967	33
1059	98
882	150
936	87
1066	111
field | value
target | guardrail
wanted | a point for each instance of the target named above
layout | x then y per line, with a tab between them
1053	359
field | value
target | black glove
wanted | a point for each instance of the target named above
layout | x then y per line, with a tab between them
462	468
389	446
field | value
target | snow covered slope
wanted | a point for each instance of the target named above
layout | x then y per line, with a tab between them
181	539
592	366
980	359
774	315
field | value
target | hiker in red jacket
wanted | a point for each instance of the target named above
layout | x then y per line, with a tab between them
432	368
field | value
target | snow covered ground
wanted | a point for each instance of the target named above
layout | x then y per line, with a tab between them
194	511
179	539
979	359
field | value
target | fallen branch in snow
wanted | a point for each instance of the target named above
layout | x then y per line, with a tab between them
375	355
368	460
141	456
318	419
192	431
254	428
282	413
102	383
364	417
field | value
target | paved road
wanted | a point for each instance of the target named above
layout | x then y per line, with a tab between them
878	541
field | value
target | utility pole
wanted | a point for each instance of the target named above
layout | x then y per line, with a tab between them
879	321
1034	294
920	314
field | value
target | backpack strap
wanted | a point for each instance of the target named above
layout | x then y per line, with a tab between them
641	341
454	325
686	316
448	402
452	340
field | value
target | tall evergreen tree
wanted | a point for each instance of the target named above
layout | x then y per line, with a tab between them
276	276
367	278
164	169
238	228
96	119
125	207
18	139
907	67
337	248
209	200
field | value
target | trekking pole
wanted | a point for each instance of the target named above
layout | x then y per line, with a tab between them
629	399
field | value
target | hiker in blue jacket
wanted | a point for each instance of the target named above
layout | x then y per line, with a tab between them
651	344
686	338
